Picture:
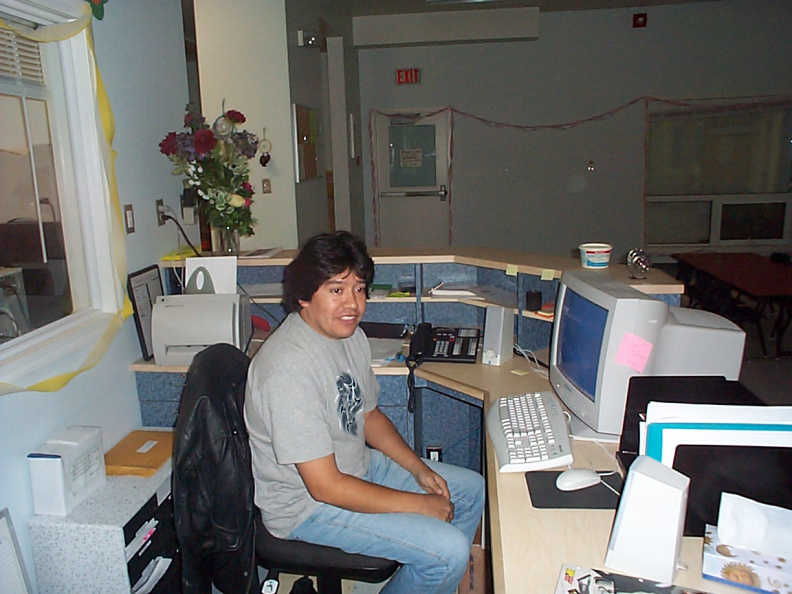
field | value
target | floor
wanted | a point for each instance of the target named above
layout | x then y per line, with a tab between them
769	378
286	582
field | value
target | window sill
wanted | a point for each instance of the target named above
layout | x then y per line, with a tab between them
49	348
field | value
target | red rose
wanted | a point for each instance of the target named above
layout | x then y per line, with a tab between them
248	201
168	144
235	116
204	141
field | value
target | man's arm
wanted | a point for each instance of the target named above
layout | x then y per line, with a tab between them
383	436
329	485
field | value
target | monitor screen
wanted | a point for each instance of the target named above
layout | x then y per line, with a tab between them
581	331
606	332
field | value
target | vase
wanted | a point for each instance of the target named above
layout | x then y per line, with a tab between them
227	242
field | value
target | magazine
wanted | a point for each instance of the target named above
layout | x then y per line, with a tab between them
575	579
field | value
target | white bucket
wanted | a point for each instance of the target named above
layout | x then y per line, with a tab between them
595	255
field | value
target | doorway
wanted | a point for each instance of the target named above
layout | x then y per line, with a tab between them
412	162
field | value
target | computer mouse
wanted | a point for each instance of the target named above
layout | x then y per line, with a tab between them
577	478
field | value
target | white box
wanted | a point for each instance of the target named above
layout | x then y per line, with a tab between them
66	469
744	568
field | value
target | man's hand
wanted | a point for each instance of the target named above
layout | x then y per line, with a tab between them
431	482
438	507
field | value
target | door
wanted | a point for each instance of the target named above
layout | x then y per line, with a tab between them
412	163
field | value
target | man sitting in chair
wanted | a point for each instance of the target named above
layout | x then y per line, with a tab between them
329	466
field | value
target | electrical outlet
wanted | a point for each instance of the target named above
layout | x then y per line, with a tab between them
434	453
266	186
160	212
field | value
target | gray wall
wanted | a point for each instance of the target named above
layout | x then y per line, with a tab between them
308	86
140	52
531	190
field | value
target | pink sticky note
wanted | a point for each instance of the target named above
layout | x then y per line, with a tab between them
633	352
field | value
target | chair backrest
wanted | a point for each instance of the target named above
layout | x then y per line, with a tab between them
212	478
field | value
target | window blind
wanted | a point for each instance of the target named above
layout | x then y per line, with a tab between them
20	59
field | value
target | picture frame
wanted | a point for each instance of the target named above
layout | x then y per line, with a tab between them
13	576
144	286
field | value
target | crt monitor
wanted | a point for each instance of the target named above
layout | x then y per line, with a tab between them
605	332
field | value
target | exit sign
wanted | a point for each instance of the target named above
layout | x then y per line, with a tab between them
408	76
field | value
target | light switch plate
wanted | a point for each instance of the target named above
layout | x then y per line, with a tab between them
129	219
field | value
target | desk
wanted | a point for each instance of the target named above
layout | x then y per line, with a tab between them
527	545
758	277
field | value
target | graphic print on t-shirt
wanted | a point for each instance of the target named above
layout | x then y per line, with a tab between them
349	402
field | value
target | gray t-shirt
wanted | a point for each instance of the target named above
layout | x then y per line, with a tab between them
306	396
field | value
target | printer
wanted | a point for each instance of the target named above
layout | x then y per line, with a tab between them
183	325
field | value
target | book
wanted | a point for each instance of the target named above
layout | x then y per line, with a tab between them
261	253
446	290
181	253
575	579
379	291
547	311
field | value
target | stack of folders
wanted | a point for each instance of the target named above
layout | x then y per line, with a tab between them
670	424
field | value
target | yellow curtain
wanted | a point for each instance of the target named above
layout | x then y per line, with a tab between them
60	32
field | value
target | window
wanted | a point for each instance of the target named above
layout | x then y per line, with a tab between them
719	176
34	278
54	202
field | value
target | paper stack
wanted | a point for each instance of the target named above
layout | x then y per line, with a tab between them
671	424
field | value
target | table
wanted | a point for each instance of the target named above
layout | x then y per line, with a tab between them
528	546
758	277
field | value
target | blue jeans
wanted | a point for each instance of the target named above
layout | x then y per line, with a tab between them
434	554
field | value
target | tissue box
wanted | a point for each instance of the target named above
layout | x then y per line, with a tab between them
66	469
744	568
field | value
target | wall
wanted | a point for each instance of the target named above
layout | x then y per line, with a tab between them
531	190
141	57
243	60
308	82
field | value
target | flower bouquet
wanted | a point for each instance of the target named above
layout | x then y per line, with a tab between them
214	163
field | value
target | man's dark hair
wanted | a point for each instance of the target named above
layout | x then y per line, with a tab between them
320	259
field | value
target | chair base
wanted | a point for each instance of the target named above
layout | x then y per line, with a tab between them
328	564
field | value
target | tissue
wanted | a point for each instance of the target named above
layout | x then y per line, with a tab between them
748	524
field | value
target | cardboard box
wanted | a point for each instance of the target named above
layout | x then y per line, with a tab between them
141	453
475	579
745	568
66	469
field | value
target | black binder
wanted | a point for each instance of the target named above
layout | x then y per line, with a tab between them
763	474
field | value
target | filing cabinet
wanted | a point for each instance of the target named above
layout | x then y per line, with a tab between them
121	539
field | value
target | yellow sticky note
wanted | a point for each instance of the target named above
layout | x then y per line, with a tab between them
547	274
511	270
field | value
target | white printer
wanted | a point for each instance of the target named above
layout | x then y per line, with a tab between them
183	325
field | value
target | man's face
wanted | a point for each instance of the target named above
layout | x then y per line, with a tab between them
337	306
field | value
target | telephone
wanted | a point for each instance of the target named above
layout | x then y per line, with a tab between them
444	343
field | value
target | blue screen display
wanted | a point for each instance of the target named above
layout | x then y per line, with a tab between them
580	334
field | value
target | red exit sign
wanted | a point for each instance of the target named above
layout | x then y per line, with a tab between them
408	76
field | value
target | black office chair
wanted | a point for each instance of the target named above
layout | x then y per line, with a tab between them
212	474
717	297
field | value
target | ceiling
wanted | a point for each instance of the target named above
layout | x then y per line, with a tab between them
370	7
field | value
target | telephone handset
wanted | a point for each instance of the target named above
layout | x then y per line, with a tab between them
448	344
421	341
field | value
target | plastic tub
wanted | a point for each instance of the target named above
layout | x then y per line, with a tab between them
595	255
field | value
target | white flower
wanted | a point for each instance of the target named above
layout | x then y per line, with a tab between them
223	126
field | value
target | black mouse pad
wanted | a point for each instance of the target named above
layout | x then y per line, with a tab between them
545	495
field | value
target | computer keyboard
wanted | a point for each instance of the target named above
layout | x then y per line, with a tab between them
529	432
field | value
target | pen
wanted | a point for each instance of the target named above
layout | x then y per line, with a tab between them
437	286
